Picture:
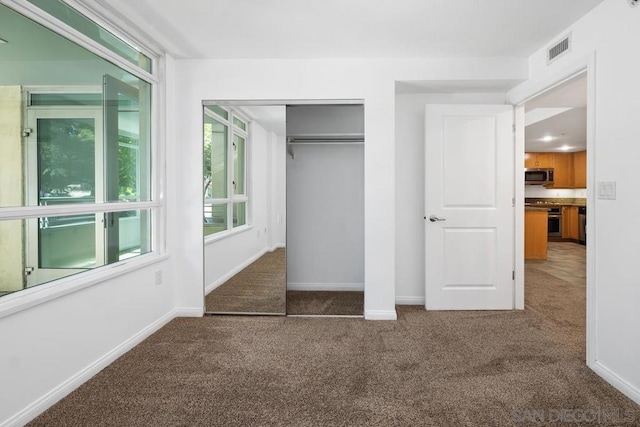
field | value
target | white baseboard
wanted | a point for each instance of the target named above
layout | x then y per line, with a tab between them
622	385
380	315
211	286
188	312
410	300
58	393
277	246
357	287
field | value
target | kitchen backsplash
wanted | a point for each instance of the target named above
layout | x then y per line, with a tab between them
538	191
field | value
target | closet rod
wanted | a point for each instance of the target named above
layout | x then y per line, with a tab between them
327	142
324	139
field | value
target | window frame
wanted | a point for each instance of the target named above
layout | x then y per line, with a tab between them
232	197
32	296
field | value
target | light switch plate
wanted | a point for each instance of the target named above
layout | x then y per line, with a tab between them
607	190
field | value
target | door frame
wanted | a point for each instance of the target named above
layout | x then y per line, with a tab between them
518	97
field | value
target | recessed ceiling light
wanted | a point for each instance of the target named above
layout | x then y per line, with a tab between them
547	138
565	148
2	41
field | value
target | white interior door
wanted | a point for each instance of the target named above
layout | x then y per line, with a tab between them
469	172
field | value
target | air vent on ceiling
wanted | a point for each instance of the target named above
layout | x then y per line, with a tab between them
559	49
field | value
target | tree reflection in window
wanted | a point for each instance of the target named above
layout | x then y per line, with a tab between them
66	159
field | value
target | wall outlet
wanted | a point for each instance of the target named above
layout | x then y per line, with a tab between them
159	277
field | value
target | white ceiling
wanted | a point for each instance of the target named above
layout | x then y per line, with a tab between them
349	28
561	114
368	29
270	117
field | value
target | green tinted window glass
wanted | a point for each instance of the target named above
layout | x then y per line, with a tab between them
134	233
128	140
50	248
76	20
238	164
66	160
63	99
67	242
239	123
215	159
239	214
218	110
215	218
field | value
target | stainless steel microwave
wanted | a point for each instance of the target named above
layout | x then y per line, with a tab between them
538	176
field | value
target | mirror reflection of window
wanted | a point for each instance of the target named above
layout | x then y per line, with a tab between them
225	156
244	207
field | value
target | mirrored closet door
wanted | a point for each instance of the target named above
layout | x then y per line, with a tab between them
244	209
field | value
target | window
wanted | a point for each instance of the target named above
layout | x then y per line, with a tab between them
75	155
225	172
95	32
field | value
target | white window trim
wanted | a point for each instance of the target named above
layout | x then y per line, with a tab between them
29	297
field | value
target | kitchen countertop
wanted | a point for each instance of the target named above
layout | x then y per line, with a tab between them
535	209
556	202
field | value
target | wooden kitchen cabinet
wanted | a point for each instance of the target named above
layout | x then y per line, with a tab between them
535	233
562	170
538	160
580	169
569	171
570	224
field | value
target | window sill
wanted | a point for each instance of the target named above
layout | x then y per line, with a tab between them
212	238
28	298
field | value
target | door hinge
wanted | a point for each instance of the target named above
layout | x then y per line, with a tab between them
28	271
27	132
513	127
513	202
513	275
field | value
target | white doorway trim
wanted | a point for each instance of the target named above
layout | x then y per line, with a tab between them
518	97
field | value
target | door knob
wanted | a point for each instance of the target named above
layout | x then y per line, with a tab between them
434	218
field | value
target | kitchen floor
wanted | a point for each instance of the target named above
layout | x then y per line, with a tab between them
566	261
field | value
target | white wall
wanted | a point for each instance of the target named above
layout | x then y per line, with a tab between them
223	258
325	200
325	119
539	191
49	349
372	81
325	218
409	135
611	31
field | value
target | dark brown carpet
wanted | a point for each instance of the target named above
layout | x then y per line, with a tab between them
426	369
325	303
259	288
